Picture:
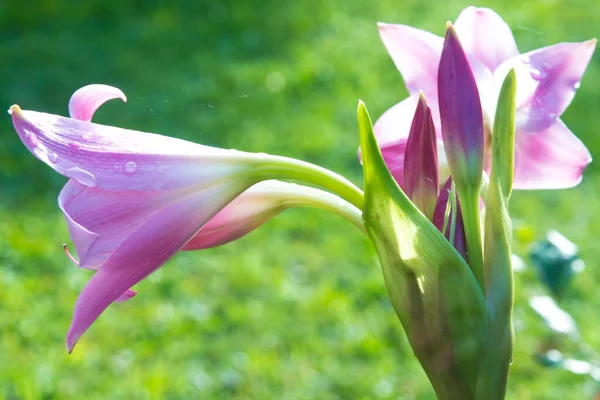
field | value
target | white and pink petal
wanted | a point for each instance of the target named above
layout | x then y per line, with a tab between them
86	100
145	250
484	34
416	54
121	159
551	159
547	80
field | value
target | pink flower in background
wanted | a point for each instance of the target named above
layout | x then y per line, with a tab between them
547	154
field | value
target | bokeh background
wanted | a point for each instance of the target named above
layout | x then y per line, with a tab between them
297	309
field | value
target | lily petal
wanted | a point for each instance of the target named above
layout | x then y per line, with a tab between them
416	54
154	242
259	204
120	159
393	155
484	34
551	159
100	220
547	81
86	100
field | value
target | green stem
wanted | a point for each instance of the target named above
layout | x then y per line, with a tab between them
469	202
454	213
329	202
277	167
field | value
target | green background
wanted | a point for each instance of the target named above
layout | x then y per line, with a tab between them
297	309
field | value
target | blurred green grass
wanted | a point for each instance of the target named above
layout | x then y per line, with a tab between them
297	309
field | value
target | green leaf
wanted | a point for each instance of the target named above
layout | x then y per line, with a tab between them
432	289
497	249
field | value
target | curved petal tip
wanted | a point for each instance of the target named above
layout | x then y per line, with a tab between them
86	100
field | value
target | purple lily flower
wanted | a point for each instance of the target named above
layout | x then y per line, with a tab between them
135	198
547	154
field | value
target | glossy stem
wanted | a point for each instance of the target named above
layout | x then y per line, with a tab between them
277	167
469	202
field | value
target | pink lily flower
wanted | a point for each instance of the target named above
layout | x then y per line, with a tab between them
135	198
547	154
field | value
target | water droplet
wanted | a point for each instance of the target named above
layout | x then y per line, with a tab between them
130	167
82	176
31	138
576	85
74	145
53	158
536	74
552	116
87	135
117	167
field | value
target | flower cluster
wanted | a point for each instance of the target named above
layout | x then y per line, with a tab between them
480	118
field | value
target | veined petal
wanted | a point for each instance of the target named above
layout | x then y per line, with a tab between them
154	242
120	159
551	159
100	220
416	54
547	81
259	204
484	34
420	160
86	100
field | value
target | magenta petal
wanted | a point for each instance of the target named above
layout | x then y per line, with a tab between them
393	155
420	160
416	54
245	213
551	159
460	113
439	213
154	242
547	81
484	34
119	159
85	101
100	220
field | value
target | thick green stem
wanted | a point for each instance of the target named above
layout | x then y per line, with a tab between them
333	204
276	167
469	202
